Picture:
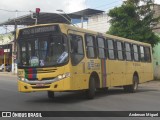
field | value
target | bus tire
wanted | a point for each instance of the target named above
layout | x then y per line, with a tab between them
105	90
134	87
90	93
125	88
50	94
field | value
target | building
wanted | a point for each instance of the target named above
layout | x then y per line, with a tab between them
156	9
156	61
97	22
6	48
156	49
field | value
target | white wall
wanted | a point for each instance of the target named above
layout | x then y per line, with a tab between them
85	25
99	23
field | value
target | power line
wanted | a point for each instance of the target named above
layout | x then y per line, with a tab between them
107	4
13	10
108	8
7	10
5	27
85	3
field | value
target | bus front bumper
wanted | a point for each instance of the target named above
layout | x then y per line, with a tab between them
46	85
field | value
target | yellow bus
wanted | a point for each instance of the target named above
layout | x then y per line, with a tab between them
59	57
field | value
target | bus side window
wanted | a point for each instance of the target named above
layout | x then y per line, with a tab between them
128	51
147	55
120	55
135	53
142	53
90	46
101	47
111	51
77	52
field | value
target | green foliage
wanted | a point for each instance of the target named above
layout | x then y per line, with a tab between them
134	21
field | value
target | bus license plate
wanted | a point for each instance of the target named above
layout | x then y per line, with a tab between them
39	85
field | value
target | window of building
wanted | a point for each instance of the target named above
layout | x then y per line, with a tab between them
128	51
120	50
91	46
135	53
101	47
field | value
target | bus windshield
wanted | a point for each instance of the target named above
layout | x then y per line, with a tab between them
43	51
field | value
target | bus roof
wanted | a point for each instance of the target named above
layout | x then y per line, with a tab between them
93	32
104	35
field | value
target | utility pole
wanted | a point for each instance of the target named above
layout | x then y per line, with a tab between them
4	55
14	46
82	20
4	61
4	58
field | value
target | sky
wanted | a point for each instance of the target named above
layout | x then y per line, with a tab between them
24	6
8	7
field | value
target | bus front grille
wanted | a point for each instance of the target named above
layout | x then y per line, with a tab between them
49	78
39	87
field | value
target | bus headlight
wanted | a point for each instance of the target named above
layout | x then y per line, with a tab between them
65	75
21	78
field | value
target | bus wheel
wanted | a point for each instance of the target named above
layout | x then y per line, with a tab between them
105	90
90	93
125	88
135	84
50	94
132	88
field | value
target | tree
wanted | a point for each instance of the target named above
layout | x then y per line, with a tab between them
134	21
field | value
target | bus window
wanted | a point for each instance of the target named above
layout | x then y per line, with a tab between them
43	49
77	52
23	53
142	53
36	47
91	47
57	50
110	46
128	51
147	54
101	47
120	50
135	53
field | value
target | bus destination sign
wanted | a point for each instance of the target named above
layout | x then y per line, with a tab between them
36	30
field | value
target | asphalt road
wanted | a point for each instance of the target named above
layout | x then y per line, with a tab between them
146	99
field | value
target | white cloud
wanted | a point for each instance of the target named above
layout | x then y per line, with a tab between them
75	5
157	1
45	5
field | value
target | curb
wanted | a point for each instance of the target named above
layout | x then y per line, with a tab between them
8	74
